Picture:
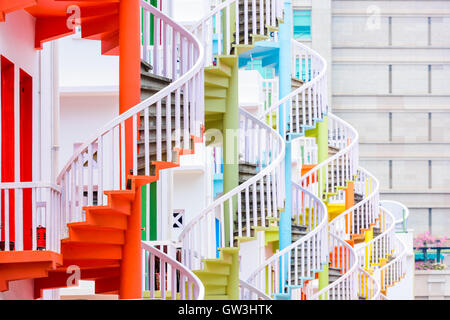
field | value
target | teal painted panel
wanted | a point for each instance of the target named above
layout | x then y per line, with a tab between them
302	24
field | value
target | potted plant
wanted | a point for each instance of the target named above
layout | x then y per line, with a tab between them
432	278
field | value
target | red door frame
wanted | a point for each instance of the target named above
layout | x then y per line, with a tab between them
26	153
7	141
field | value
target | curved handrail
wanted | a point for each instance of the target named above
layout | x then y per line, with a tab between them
381	247
213	24
400	222
364	213
394	270
315	87
311	248
171	271
344	137
249	292
198	234
106	149
343	288
369	287
177	84
371	252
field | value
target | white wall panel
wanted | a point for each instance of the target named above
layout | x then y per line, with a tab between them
359	31
410	174
440	78
391	6
440	30
360	79
380	169
371	126
440	174
440	128
410	127
418	220
409	31
440	222
410	79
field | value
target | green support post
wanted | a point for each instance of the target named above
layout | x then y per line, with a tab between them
230	145
321	135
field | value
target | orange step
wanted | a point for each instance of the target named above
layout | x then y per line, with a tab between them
90	251
93	234
96	245
97	27
22	265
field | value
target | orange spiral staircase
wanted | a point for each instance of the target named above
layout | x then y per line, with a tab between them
96	246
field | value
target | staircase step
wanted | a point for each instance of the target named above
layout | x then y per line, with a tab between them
89	234
215	289
145	67
296	83
217	297
106	220
88	251
217	266
211	278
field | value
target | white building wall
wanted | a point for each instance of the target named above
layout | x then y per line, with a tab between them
20	25
390	72
89	92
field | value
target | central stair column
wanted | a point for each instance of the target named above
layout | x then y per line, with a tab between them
230	143
285	36
129	96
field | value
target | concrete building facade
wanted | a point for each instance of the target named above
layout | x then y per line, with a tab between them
389	69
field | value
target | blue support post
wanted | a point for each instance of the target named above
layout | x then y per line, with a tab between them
285	36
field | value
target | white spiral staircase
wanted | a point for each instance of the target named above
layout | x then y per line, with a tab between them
305	257
257	202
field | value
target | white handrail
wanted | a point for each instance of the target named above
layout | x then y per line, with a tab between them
260	143
369	287
36	207
400	219
344	288
249	292
79	177
218	22
314	90
364	213
308	253
270	93
394	270
172	274
305	203
324	179
338	169
371	252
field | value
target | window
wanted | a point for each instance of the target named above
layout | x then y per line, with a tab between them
178	216
256	64
302	24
